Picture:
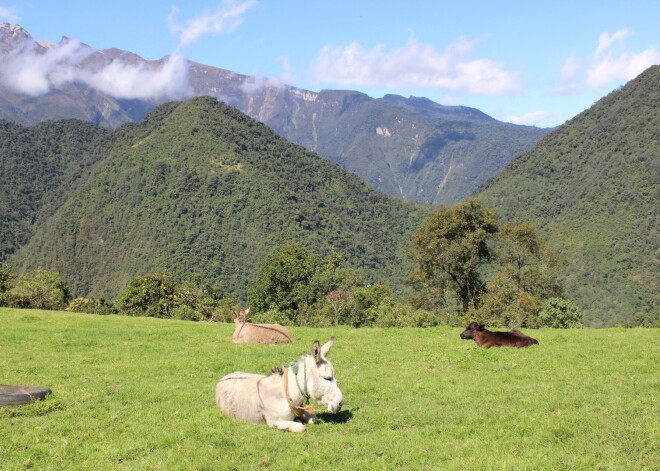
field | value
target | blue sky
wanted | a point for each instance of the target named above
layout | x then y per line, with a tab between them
517	61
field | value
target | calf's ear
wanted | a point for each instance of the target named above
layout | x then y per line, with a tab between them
315	351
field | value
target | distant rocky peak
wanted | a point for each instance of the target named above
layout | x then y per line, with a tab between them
12	35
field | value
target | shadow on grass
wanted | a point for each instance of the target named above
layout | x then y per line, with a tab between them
338	418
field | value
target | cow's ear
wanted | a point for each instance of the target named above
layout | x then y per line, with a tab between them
481	326
315	351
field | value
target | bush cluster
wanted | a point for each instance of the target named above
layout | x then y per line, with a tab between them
38	289
155	295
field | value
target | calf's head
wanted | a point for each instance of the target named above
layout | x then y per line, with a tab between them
471	330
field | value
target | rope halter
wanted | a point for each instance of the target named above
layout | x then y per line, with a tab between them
298	411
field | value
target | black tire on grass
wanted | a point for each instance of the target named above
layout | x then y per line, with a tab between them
18	395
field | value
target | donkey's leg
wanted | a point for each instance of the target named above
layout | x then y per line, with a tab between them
287	425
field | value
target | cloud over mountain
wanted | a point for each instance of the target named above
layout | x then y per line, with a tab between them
611	61
34	69
416	65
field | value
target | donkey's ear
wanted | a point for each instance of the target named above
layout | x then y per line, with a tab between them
325	348
315	351
247	311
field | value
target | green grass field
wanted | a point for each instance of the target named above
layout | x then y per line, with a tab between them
138	394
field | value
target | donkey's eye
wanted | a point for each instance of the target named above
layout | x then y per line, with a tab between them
327	378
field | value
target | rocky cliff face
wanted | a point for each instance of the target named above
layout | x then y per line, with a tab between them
411	148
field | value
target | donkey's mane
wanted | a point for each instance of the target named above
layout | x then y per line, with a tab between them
277	370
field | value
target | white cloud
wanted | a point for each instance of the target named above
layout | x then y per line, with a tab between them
570	69
529	119
220	21
257	83
168	79
36	71
569	78
8	13
625	66
607	40
415	65
610	62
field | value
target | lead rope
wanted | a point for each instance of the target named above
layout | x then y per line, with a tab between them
298	411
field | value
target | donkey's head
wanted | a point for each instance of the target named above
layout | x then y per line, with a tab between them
471	329
321	381
241	316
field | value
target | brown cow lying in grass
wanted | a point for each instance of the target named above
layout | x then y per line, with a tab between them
485	338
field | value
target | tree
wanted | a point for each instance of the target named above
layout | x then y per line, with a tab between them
38	289
6	277
525	272
152	295
531	264
294	281
561	314
449	249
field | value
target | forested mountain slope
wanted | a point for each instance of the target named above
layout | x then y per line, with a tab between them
411	148
592	187
38	167
199	187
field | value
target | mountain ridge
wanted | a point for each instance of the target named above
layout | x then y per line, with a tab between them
199	186
591	187
373	137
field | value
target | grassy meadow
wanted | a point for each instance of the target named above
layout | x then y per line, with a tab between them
138	393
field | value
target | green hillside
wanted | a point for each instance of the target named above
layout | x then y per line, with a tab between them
592	188
199	187
38	166
411	148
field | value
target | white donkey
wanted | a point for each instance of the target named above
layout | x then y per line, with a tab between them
246	332
276	399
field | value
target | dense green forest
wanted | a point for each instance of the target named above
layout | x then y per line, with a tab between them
199	187
592	188
39	165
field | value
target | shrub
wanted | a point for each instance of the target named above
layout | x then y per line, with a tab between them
38	289
207	301
560	314
6	277
223	311
297	282
271	316
152	295
91	306
391	313
363	299
186	313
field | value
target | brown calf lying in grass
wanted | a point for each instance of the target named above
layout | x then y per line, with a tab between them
485	338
